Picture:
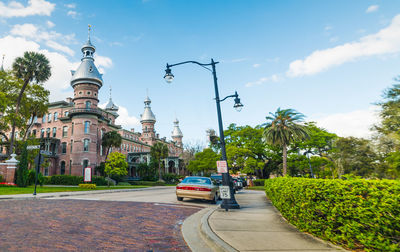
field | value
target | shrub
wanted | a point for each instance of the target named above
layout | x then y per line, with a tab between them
88	186
148	183
124	184
259	182
1	178
171	178
32	175
72	180
5	184
359	214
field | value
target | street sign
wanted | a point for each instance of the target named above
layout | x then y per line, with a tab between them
224	192
33	147
88	175
222	167
44	152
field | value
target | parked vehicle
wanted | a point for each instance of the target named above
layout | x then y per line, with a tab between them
198	188
217	177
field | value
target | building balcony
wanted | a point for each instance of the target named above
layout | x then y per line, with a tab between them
93	111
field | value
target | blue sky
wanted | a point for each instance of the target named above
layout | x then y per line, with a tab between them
328	60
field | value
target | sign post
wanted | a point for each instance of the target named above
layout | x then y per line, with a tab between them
38	161
87	175
224	191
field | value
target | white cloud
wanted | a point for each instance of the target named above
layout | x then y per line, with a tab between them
59	47
372	8
39	34
34	7
355	123
272	78
103	61
384	41
124	118
333	39
256	65
328	27
50	24
71	5
72	13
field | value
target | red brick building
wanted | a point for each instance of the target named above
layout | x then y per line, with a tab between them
72	130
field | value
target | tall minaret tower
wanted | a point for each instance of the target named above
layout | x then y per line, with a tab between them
177	133
148	120
85	115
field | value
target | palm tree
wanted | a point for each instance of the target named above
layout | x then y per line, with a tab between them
283	128
111	139
33	67
159	151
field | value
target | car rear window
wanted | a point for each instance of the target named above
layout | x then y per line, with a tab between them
197	181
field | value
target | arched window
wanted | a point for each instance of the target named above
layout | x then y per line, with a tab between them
87	124
86	145
65	131
62	168
50	116
55	116
54	132
64	148
48	132
44	119
41	133
88	104
72	129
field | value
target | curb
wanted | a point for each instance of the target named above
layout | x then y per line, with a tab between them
66	194
210	236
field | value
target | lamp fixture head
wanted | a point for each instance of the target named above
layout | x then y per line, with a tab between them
169	77
238	105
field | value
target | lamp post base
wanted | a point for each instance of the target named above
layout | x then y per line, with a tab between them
230	204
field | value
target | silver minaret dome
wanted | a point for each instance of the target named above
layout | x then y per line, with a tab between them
87	71
147	115
177	131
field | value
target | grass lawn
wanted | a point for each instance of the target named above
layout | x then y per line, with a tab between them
44	189
258	188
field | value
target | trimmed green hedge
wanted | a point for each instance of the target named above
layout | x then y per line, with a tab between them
147	183
259	182
358	214
72	180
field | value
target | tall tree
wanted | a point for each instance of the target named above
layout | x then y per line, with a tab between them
111	139
159	151
116	165
33	67
283	128
205	161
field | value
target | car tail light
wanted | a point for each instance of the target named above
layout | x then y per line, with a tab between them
194	188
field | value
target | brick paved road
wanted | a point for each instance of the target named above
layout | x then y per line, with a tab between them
87	225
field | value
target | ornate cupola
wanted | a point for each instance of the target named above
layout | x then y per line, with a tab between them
148	119
147	116
177	133
87	71
111	107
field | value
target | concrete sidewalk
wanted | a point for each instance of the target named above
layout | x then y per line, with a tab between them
258	226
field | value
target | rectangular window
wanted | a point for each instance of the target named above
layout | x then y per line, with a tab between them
55	116
86	145
65	131
72	129
49	117
64	148
71	146
44	119
54	132
87	124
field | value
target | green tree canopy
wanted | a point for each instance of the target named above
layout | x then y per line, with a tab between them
283	128
159	151
32	67
111	139
205	161
116	164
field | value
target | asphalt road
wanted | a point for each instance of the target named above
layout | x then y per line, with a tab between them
162	195
148	220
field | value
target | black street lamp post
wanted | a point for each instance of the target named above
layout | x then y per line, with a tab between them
226	178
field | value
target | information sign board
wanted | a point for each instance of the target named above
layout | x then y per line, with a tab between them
32	147
88	175
224	192
222	167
